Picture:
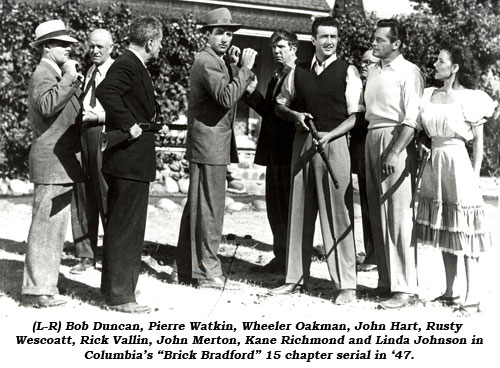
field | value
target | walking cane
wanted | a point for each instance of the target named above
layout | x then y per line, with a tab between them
314	132
419	177
412	205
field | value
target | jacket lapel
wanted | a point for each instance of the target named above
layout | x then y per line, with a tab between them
74	99
209	50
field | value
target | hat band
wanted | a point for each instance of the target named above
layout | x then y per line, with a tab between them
223	21
52	35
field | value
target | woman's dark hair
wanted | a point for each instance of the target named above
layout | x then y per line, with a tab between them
467	74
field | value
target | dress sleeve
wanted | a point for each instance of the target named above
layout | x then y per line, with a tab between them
425	99
477	107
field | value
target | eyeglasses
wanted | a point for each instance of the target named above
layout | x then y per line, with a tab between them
367	62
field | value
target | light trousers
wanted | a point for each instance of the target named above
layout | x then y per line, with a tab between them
389	199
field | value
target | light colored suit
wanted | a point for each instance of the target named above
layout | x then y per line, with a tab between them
54	168
210	147
52	109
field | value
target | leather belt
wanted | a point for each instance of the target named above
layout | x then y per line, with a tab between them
150	127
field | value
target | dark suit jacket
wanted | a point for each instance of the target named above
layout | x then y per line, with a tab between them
214	93
53	106
276	135
127	95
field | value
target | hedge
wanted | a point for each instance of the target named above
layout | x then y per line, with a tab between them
475	23
18	61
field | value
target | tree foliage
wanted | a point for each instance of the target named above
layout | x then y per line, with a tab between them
18	61
474	23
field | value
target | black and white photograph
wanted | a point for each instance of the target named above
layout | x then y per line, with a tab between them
250	182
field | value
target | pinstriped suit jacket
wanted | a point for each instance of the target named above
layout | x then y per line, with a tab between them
53	106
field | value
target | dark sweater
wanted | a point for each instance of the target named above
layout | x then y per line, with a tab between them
323	96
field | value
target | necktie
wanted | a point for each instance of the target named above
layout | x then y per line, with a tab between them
92	102
318	68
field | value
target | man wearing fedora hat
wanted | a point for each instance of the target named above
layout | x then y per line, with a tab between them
210	147
54	165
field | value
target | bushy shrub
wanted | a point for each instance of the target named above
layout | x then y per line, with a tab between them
471	23
18	61
475	23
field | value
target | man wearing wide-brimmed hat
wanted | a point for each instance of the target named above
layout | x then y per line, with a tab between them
215	90
54	165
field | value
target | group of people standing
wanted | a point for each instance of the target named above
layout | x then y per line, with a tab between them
372	116
72	171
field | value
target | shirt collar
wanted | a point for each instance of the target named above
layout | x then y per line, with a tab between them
219	56
395	64
104	67
325	63
53	65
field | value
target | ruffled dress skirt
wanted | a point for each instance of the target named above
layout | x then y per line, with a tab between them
450	213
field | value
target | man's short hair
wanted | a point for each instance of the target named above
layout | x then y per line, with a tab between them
323	21
143	29
396	30
286	35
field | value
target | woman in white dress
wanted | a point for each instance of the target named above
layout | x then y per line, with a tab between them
450	209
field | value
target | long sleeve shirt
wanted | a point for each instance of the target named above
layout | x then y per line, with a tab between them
353	91
392	94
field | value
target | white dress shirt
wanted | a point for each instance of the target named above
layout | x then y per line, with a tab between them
353	91
393	94
101	74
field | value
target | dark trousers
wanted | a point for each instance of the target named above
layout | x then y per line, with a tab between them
277	200
201	223
123	238
312	192
365	214
91	195
95	184
84	231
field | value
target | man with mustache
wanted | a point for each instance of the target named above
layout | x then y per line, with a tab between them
329	91
210	147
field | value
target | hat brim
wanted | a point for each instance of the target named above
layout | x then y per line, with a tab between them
232	26
60	38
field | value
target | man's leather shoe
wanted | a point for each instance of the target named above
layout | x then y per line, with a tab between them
274	267
366	267
131	307
399	300
378	292
214	283
288	289
42	301
345	297
83	265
